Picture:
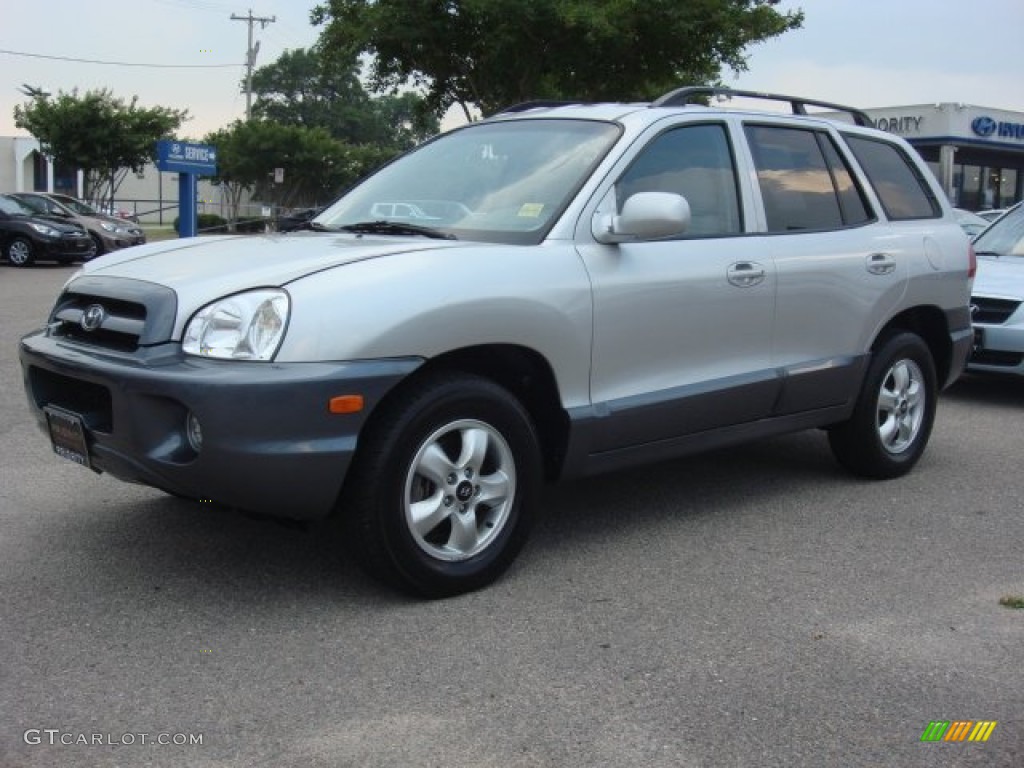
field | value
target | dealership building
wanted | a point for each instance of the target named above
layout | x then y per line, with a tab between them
977	153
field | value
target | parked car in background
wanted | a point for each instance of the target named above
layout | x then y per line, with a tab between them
109	233
119	213
26	237
298	219
971	223
997	300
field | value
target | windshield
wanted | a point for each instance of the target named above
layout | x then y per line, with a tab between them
1005	237
13	207
499	182
76	205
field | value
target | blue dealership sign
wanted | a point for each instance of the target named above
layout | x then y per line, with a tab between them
185	157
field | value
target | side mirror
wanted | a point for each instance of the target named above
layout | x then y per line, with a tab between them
645	216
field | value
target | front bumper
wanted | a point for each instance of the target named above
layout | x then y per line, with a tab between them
65	248
115	241
998	348
270	445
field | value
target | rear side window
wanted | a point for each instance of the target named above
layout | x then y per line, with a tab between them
804	183
897	180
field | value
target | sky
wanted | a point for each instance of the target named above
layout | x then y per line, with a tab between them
863	53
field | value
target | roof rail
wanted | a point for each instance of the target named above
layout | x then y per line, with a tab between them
683	96
537	104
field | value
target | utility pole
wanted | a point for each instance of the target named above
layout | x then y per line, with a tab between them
250	54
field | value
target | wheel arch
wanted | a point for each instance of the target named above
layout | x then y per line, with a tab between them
930	323
522	371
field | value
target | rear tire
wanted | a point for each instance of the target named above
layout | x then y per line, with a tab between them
893	418
441	494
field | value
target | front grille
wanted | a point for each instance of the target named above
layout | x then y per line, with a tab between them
76	242
120	328
114	313
992	311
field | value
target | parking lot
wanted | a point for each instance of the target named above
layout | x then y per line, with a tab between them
751	607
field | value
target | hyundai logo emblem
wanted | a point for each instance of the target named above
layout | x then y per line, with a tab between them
975	309
983	126
93	317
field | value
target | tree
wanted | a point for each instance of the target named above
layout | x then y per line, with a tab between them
316	165
494	53
98	133
305	89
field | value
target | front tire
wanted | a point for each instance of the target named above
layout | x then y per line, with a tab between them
20	252
893	418
441	494
100	248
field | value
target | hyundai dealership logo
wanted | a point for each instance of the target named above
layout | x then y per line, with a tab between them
984	126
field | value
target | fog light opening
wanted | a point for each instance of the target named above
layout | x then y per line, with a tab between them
194	432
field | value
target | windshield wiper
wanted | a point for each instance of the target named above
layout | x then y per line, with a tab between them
988	253
395	228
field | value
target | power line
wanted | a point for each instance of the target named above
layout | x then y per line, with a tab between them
116	63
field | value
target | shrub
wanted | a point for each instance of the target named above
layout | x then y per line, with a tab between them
206	222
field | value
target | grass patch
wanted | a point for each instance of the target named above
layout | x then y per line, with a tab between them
156	233
1012	601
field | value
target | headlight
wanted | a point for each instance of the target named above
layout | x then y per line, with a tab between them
42	229
246	326
108	226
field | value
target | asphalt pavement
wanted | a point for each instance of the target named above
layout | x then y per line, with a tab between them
750	607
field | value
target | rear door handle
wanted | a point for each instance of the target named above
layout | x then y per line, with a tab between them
745	273
881	263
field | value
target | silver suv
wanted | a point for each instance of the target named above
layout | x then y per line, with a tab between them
589	286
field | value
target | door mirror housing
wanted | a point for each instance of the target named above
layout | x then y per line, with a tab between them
645	216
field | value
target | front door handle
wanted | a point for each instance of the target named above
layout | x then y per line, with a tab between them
744	274
881	263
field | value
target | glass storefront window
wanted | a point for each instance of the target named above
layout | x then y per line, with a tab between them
969	184
1008	184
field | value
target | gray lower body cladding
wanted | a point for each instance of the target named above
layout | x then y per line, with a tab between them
269	441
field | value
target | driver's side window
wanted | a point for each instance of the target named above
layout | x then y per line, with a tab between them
694	161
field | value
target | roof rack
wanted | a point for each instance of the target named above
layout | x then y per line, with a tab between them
683	96
537	104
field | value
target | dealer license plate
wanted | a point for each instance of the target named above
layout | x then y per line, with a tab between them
67	435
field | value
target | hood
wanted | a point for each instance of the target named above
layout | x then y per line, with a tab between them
56	222
1000	277
201	269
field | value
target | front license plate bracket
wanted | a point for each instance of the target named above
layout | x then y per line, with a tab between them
67	435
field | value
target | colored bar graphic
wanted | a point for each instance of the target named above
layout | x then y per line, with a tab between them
959	730
935	731
983	730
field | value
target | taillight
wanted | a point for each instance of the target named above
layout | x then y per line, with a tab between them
972	263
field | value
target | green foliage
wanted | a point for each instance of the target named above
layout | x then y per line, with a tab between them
494	53
317	167
99	133
302	88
